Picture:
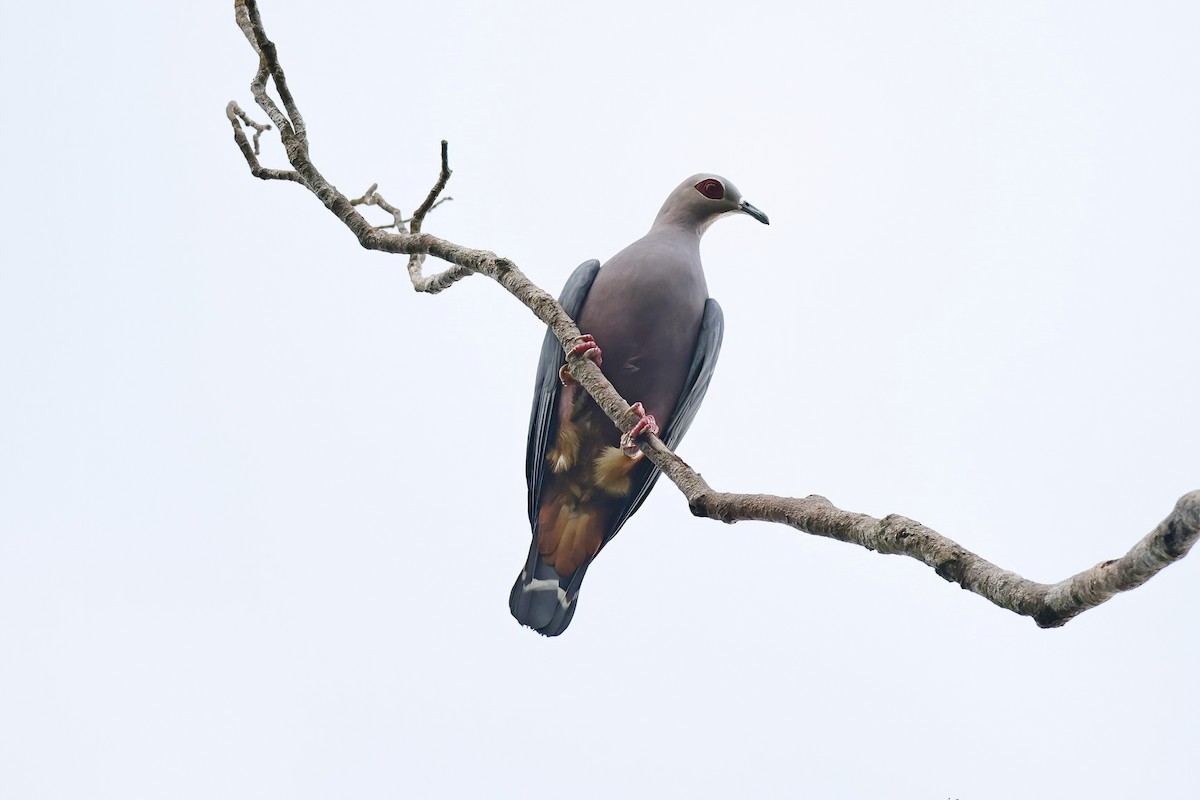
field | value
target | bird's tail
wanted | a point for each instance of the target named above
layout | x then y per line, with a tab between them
541	598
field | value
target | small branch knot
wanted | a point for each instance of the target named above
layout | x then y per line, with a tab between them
951	570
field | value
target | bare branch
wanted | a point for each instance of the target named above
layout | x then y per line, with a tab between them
258	126
368	197
444	176
416	262
248	19
373	198
237	118
401	224
1050	605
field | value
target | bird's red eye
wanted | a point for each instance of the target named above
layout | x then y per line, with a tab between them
711	188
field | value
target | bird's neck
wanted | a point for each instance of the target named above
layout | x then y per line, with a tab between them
685	228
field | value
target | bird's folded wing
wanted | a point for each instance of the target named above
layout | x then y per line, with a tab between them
543	421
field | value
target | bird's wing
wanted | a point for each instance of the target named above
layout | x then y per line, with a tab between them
553	615
700	372
704	361
543	419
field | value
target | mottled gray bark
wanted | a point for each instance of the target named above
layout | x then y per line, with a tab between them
1050	605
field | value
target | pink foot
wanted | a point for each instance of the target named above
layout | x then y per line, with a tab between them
646	422
586	345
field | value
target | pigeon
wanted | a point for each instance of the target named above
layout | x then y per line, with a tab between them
648	308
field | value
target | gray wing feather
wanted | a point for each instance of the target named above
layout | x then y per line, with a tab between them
543	420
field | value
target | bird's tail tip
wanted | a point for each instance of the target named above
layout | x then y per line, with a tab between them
543	600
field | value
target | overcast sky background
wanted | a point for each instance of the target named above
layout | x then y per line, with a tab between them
261	505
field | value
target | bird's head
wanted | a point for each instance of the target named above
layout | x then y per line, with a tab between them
701	199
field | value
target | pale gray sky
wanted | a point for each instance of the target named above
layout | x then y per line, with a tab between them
261	506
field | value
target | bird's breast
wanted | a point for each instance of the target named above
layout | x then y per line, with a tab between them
645	311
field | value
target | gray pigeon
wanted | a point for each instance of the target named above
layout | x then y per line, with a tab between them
649	309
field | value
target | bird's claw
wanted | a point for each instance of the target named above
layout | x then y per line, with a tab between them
586	345
646	422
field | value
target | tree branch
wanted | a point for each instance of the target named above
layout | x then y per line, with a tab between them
238	118
1050	605
373	198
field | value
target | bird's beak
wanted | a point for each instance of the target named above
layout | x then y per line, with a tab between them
754	212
